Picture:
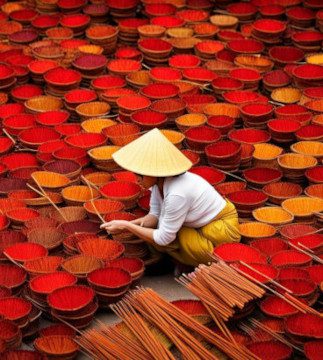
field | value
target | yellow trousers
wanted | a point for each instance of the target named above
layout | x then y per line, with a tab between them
192	245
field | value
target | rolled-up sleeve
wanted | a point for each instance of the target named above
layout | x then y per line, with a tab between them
155	202
176	209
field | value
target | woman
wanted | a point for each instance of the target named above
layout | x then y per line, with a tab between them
187	217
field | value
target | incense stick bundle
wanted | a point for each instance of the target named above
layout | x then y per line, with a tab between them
173	321
121	333
126	340
222	289
142	332
102	347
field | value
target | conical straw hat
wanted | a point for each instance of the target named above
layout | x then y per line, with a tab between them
152	155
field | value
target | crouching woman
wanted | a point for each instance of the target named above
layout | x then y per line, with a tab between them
187	217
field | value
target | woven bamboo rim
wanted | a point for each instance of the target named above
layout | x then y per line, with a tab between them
308	148
224	21
294	206
179	32
292	161
255	230
96	125
43	103
92	263
286	95
282	217
151	30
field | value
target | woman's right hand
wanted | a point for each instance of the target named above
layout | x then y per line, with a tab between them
139	221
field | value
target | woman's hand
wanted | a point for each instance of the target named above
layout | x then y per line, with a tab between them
139	221
115	226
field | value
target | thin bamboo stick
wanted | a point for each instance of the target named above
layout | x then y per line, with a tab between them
43	193
9	136
274	334
314	257
303	306
14	261
89	185
266	277
305	248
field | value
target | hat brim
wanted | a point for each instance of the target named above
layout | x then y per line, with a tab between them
152	155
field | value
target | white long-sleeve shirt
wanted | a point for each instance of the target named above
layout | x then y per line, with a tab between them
189	200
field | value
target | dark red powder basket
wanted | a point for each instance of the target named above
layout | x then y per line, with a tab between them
269	271
125	191
302	288
269	246
165	74
25	251
313	350
183	61
304	326
315	175
86	141
43	285
247	200
271	350
52	118
12	277
199	137
148	119
316	273
210	174
246	46
229	187
249	136
110	280
236	252
261	176
15	309
290	258
14	124
37	135
292	273
134	266
71	299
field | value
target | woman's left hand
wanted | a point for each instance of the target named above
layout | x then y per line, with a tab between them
115	226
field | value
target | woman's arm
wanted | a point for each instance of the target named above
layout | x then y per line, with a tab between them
148	221
116	226
175	214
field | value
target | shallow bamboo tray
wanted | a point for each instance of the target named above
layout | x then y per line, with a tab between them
273	215
286	95
303	208
266	155
78	194
96	125
256	230
102	158
50	180
311	148
43	103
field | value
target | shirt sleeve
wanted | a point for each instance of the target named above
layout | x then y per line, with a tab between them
155	202
176	209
